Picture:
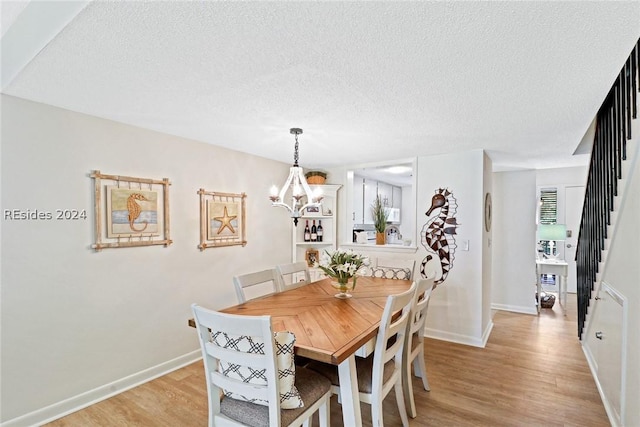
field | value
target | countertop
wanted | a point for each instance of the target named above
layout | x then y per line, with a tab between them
371	246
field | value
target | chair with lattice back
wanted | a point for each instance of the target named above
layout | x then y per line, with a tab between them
250	376
392	268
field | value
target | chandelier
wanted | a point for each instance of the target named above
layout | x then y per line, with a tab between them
299	187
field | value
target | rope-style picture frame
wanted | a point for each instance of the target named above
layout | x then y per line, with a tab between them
130	211
222	219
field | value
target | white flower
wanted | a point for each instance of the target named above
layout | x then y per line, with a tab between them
342	264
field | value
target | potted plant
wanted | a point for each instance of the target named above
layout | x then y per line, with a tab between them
380	216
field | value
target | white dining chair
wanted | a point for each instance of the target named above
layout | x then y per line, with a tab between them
250	376
392	268
263	282
414	343
382	370
293	275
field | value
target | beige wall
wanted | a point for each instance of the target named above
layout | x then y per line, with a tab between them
75	321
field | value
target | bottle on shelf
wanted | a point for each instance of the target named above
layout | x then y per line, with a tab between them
307	233
314	232
320	230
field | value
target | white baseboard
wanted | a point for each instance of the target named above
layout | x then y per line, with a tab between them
88	398
460	339
515	308
487	332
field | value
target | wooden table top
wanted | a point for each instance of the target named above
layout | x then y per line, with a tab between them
327	329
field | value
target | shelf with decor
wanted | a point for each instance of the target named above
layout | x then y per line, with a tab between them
326	216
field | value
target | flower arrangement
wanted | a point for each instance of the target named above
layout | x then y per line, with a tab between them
343	265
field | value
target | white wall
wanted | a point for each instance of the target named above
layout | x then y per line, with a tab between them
561	178
576	175
408	215
487	250
515	207
460	308
513	237
457	305
621	271
75	321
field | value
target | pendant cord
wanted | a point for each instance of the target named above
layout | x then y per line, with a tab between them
295	152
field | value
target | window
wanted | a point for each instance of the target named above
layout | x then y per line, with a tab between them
548	212
548	206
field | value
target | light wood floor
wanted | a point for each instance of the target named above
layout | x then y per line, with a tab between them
531	373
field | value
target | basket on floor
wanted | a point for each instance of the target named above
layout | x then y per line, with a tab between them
547	300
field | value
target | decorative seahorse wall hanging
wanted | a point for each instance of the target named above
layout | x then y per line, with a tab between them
134	210
437	236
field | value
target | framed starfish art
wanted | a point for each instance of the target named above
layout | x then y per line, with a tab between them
222	219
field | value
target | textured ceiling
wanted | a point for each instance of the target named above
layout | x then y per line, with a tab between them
367	81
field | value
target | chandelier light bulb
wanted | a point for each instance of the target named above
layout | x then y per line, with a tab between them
274	194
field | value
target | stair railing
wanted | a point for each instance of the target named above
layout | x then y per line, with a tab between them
613	129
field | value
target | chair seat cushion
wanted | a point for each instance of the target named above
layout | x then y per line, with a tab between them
311	385
289	394
391	273
364	368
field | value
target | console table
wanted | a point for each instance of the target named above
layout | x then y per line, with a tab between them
559	269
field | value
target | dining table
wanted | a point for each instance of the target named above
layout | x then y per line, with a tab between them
330	329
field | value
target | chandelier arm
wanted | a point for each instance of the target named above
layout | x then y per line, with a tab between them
305	186
282	205
287	184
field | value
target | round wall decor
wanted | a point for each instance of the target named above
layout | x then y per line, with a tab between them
487	212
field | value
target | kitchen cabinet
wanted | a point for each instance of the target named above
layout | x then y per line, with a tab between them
370	193
326	216
397	197
365	191
358	199
385	192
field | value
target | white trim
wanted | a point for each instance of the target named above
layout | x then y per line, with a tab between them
622	301
487	333
593	366
88	398
615	416
460	339
379	248
515	308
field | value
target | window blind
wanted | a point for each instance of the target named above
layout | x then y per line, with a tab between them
548	206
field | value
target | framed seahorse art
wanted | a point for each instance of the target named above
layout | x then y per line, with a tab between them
222	219
130	211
